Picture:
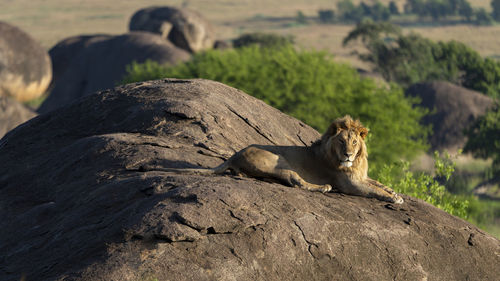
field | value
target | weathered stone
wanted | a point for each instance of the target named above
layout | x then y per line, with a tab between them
453	109
101	63
186	29
25	69
75	204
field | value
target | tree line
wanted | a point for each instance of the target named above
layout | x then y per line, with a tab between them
348	12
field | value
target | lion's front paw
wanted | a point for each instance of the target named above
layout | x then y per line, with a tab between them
397	199
326	188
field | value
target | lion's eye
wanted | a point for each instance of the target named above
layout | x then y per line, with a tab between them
355	142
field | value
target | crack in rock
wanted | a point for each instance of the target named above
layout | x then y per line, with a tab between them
310	244
253	127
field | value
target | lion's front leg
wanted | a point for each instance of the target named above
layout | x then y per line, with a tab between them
293	179
386	193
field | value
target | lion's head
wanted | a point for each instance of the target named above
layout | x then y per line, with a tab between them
344	145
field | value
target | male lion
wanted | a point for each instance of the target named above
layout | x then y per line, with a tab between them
338	159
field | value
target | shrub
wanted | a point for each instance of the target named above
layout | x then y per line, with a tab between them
427	187
265	40
310	86
301	18
484	138
326	16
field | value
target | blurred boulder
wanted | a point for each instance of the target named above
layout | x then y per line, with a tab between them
186	29
12	113
63	53
25	68
88	64
222	45
453	109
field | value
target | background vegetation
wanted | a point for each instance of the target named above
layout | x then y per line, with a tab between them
409	59
435	10
310	86
484	138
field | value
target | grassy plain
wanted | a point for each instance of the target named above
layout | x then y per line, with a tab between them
50	21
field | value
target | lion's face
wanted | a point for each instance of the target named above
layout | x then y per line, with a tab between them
347	145
344	144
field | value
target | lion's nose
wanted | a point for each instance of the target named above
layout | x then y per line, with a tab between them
348	154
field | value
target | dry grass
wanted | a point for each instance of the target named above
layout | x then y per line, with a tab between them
50	21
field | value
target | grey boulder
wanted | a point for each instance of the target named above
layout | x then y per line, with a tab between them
185	28
25	68
96	63
76	203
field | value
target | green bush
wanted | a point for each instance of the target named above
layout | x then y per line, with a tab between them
439	9
427	187
265	40
483	17
301	18
484	138
348	12
326	16
310	86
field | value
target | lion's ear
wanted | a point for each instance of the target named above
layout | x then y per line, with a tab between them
334	129
363	132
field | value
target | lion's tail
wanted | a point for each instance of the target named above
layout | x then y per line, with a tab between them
198	171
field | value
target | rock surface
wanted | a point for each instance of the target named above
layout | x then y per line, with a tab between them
99	62
25	69
75	204
185	28
456	109
12	113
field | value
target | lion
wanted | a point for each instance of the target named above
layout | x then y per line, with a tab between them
338	160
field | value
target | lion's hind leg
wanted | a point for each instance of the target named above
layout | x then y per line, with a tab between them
260	163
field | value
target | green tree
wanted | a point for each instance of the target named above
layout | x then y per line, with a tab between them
483	17
326	16
393	8
495	5
301	18
408	59
380	12
484	138
310	86
465	10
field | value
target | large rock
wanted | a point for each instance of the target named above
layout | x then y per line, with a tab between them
100	62
75	204
12	113
453	109
186	29
25	69
64	52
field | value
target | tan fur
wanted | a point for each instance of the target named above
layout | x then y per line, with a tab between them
338	160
